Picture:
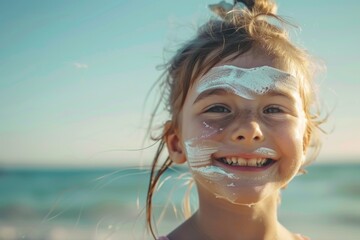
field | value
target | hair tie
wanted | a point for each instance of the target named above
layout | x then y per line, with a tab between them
249	4
225	10
221	9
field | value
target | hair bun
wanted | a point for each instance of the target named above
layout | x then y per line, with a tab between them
254	7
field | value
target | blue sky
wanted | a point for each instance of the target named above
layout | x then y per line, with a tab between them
74	74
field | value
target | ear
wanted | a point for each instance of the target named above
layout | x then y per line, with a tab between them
174	144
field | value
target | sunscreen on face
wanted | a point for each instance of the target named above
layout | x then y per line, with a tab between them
201	150
248	82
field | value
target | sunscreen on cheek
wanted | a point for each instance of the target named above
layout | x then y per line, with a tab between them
200	149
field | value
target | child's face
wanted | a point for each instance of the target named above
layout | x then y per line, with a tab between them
242	130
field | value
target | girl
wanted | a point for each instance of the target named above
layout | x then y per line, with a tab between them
240	97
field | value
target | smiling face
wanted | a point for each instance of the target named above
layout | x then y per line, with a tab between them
242	128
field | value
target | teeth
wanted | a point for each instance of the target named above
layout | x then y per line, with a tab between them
258	162
242	162
261	162
254	162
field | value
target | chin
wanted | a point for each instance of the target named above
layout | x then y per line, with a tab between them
249	199
238	193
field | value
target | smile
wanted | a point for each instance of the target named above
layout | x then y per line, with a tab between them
249	162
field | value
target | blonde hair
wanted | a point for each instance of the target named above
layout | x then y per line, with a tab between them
240	30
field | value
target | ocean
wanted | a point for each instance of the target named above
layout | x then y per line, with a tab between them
109	203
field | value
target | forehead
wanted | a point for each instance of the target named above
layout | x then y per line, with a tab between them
248	82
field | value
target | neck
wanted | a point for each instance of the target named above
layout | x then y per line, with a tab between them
222	219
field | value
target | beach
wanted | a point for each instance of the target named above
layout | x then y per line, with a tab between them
110	203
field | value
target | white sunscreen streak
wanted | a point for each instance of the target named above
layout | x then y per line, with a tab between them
214	172
247	83
199	155
266	151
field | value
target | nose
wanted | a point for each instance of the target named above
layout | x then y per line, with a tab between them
247	132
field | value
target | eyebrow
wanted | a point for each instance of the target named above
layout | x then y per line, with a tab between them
275	93
210	92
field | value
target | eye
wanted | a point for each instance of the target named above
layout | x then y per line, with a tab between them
273	109
217	109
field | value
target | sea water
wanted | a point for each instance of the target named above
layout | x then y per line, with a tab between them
109	203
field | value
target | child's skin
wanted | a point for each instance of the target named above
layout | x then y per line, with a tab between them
273	121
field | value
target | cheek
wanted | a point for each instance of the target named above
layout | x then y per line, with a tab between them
199	143
291	136
213	127
207	128
301	128
287	135
290	141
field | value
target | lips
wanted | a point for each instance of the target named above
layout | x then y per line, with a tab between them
246	162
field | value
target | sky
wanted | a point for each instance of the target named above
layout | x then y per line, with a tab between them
74	75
